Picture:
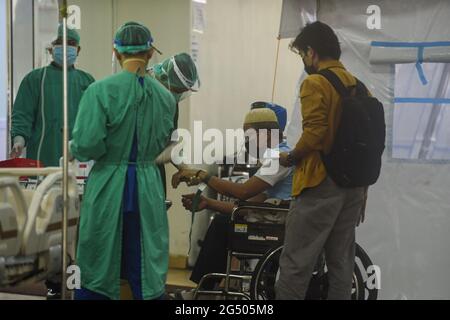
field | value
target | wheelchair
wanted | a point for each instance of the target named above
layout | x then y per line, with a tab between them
256	232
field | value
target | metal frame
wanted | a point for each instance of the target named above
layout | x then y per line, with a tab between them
9	28
226	292
63	18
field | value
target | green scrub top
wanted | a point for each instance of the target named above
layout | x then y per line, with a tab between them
110	111
36	116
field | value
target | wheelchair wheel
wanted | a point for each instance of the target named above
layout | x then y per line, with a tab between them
362	264
266	273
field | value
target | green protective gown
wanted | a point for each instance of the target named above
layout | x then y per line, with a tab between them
28	120
109	113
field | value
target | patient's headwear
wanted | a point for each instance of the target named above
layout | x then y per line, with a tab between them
261	118
280	112
133	38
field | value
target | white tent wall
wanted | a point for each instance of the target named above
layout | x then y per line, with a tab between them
237	62
406	232
237	55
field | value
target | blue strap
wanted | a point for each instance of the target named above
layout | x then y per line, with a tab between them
419	68
423	100
420	54
410	44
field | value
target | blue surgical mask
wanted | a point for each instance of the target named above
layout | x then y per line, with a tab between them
72	54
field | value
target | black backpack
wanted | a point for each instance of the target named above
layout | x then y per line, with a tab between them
355	157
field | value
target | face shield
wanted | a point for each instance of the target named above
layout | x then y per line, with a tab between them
187	83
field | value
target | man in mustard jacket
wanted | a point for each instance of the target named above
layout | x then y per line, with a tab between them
323	215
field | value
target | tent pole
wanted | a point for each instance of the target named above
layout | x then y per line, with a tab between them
10	92
63	17
276	70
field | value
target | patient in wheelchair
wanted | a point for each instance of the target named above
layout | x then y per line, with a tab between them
259	188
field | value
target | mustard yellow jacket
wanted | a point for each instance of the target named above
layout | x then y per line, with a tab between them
321	111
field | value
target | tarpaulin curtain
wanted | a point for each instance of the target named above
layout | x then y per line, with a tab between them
408	216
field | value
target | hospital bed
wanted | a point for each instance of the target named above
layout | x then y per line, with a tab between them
30	224
31	221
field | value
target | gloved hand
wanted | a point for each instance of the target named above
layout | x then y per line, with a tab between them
18	145
192	177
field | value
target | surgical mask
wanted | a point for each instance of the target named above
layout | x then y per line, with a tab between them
310	69
72	54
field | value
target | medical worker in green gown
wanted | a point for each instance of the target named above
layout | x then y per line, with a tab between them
37	115
179	75
125	122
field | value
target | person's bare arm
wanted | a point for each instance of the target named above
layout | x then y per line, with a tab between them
242	191
223	207
208	203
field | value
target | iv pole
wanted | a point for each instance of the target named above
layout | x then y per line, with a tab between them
63	19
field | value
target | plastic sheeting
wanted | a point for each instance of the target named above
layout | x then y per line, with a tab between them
407	226
421	128
295	14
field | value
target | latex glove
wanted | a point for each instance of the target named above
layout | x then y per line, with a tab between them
18	146
166	156
192	177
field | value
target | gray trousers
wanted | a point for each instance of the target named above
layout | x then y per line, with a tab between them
321	218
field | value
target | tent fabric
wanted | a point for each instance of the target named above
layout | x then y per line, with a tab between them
295	15
390	53
406	232
422	114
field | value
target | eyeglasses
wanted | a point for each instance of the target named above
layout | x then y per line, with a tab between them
294	49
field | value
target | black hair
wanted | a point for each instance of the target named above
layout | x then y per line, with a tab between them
321	38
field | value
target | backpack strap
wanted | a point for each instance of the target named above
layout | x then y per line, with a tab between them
361	89
335	82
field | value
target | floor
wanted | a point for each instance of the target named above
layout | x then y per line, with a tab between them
176	279
9	296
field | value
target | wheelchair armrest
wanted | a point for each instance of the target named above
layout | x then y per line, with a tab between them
243	207
284	204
